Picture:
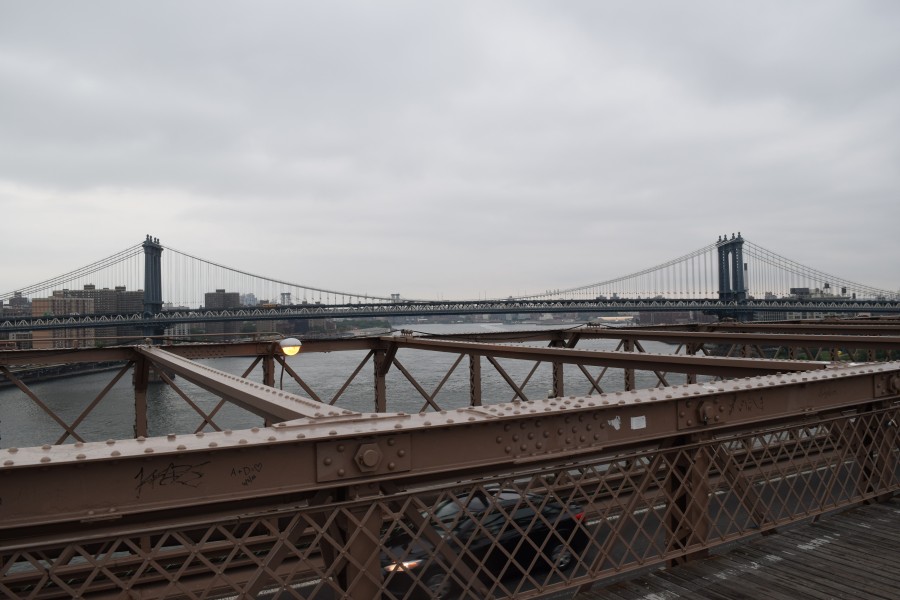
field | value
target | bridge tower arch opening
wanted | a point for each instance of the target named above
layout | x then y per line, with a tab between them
732	268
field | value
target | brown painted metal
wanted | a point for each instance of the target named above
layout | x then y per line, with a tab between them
262	400
707	365
313	500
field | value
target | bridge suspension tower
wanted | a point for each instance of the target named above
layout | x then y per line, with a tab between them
732	268
152	279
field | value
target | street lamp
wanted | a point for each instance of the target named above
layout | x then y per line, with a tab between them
290	346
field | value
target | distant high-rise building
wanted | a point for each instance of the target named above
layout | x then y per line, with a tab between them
59	305
219	300
249	299
111	301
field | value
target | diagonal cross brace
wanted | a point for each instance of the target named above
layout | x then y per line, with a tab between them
270	403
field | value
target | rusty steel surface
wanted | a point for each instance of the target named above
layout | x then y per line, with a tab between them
502	500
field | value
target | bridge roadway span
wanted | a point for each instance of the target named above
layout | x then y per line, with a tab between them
313	501
443	308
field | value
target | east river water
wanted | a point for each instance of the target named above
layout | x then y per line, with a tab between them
23	423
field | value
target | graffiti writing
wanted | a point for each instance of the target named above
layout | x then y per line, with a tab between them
171	474
247	473
744	404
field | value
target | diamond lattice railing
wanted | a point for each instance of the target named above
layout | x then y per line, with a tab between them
550	527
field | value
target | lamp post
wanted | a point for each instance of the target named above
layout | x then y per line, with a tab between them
290	346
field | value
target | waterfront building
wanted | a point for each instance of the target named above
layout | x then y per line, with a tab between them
62	306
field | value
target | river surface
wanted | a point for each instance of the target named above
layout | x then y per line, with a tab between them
24	423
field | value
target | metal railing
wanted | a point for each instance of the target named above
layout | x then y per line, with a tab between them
509	500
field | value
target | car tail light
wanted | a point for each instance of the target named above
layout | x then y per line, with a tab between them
578	516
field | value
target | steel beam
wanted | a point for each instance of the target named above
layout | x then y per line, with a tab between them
644	361
58	484
267	402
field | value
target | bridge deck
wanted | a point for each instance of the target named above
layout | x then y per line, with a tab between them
855	554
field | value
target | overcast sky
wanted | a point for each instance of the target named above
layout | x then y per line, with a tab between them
453	149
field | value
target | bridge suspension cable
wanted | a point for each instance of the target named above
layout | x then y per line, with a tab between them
772	273
190	278
686	276
120	269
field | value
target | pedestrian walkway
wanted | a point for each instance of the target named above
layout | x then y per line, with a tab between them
853	555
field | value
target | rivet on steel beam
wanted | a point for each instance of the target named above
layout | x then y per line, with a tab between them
148	450
689	422
427	423
391	466
508	449
199	434
171	437
78	444
271	438
12	450
227	432
8	463
181	447
341	472
398	426
45	447
300	436
242	441
213	445
327	461
45	459
115	453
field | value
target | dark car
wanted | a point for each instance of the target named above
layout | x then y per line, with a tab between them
497	533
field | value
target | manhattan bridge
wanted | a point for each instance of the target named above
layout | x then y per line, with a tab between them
504	464
729	277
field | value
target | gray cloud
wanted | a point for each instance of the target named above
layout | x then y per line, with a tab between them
455	149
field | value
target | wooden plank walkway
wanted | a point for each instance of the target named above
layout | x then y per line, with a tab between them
850	555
